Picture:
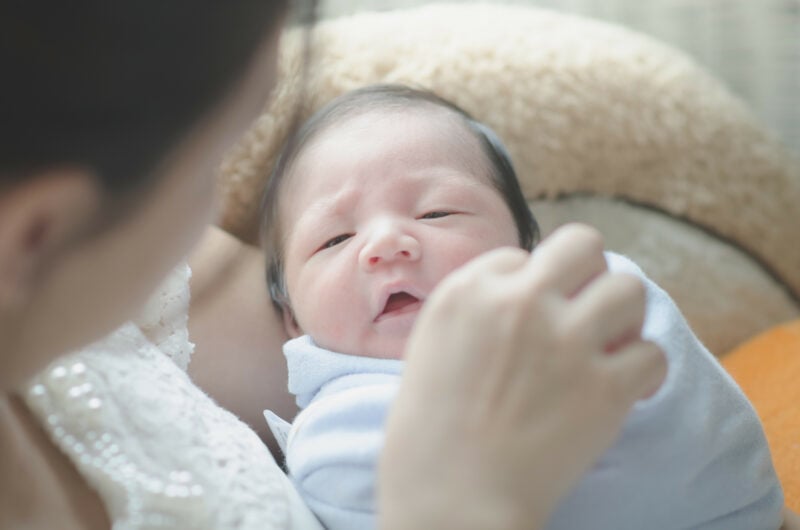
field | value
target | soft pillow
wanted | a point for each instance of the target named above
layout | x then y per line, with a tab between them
767	368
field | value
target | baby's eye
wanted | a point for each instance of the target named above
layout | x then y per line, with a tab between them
435	215
332	242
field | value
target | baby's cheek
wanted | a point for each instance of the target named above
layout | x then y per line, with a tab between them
466	252
333	314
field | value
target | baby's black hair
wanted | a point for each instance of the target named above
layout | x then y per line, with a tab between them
384	97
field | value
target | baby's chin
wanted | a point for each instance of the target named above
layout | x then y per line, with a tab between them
379	347
390	349
385	340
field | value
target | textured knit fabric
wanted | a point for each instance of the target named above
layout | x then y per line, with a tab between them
692	456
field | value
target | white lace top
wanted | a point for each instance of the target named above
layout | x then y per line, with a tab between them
160	452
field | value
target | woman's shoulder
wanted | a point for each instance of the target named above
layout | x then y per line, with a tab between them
151	443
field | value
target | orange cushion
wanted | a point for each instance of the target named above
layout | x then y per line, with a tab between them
767	368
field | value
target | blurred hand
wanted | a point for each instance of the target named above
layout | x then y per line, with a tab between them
520	372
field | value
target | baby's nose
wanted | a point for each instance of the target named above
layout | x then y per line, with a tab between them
389	246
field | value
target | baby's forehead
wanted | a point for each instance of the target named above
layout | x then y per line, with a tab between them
385	143
424	113
441	126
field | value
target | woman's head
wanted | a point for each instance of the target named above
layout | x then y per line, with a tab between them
114	87
387	98
109	102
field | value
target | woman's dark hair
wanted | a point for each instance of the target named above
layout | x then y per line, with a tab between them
384	97
113	85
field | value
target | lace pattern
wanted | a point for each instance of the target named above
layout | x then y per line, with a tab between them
161	453
164	319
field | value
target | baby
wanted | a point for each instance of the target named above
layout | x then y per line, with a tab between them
378	197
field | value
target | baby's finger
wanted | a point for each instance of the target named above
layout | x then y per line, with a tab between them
611	310
637	370
503	260
569	259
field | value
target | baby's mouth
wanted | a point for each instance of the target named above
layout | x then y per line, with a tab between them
399	303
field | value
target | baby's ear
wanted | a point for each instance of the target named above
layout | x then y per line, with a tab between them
290	322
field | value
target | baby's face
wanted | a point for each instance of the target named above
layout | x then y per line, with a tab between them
376	212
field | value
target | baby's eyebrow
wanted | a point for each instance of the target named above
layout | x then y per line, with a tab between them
334	205
319	214
328	209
